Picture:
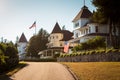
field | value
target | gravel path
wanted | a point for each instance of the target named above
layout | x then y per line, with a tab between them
43	71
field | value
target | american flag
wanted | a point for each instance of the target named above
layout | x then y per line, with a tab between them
33	25
66	47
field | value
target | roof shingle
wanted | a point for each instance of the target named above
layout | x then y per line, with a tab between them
84	13
67	35
56	28
22	38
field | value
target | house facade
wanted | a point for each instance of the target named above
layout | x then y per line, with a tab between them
85	29
57	40
21	46
58	37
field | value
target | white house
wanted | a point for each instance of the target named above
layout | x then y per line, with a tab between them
21	45
84	28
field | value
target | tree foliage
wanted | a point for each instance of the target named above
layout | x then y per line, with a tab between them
109	10
98	17
94	43
8	56
37	43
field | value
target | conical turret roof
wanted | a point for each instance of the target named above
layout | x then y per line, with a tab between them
56	28
22	38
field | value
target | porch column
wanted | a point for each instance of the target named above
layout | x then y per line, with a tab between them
46	52
52	53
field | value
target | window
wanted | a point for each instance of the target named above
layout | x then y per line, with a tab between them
60	44
89	29
96	28
77	24
76	35
82	32
86	31
56	37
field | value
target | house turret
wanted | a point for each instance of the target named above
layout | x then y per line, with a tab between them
82	17
22	44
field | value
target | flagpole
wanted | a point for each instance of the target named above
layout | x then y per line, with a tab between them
35	27
35	30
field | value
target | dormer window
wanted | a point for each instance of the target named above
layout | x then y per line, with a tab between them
77	24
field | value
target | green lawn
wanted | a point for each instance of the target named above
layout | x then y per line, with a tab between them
96	70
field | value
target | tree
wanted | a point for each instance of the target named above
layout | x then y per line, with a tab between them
110	11
37	43
8	56
94	43
98	17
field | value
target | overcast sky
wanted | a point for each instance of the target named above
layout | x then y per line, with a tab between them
16	16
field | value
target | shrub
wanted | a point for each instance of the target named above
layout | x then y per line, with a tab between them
97	51
83	53
56	55
109	50
61	55
87	53
42	60
8	56
92	52
94	43
115	50
70	54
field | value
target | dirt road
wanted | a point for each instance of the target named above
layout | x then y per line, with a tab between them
43	71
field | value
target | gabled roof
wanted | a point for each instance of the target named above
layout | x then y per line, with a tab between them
22	38
56	28
67	35
84	13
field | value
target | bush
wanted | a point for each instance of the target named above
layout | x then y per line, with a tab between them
56	55
94	43
42	60
8	56
109	50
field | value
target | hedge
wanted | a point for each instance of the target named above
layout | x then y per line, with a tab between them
8	56
41	60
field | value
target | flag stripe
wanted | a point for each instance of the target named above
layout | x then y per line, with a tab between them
66	47
33	25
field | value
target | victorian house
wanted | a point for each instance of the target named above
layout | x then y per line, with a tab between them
85	29
57	40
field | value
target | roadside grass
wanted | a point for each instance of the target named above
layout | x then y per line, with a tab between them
95	70
16	69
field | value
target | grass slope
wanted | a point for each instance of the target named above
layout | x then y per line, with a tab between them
96	70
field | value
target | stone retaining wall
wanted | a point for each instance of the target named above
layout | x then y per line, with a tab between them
103	57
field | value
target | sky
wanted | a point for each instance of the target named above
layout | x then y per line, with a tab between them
16	16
